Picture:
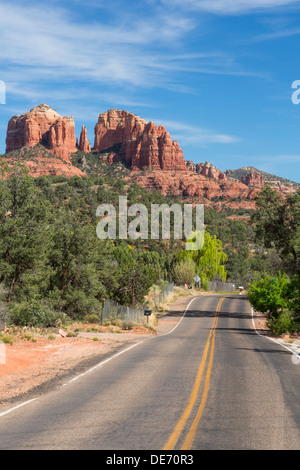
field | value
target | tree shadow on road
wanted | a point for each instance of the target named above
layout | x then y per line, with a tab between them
264	350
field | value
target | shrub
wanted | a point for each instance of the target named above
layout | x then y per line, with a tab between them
284	323
33	313
6	340
270	295
205	283
127	325
93	318
184	271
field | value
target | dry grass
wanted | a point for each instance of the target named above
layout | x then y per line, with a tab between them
169	300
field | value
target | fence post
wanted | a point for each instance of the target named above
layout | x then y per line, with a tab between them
101	315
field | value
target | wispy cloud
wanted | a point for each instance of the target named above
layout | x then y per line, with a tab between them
231	7
273	35
51	45
187	134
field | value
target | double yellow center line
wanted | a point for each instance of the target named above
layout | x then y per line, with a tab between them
210	344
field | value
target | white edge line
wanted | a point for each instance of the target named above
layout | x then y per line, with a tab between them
100	363
186	309
127	349
268	337
75	378
103	362
18	406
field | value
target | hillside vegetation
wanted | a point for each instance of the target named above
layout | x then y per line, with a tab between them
53	265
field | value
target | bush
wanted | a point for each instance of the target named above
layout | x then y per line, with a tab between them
184	272
93	318
270	295
33	313
79	305
284	323
205	283
6	340
127	325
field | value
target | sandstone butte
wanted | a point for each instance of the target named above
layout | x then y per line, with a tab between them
142	145
42	125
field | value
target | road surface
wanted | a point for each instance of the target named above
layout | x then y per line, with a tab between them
210	383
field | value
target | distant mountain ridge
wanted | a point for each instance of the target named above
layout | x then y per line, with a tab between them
276	181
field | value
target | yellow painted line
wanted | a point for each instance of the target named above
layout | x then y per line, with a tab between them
193	429
178	428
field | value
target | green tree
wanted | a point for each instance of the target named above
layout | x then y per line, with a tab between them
277	224
135	277
270	295
73	260
25	236
210	259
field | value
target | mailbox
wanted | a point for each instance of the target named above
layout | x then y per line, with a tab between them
147	313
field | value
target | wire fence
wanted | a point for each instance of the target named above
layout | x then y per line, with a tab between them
112	310
4	317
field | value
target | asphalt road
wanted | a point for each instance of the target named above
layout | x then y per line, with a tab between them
211	383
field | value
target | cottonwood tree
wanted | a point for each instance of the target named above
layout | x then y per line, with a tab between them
209	260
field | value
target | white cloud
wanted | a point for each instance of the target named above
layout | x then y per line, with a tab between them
48	42
187	134
285	33
231	7
47	45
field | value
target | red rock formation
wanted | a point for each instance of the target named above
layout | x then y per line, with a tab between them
206	169
84	145
142	145
42	125
253	179
197	188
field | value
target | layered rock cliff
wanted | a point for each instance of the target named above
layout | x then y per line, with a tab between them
42	125
253	179
141	144
206	169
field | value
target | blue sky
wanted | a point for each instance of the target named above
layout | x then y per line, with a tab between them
217	74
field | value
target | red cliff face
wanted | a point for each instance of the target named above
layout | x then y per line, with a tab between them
197	188
141	144
45	126
207	169
253	179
